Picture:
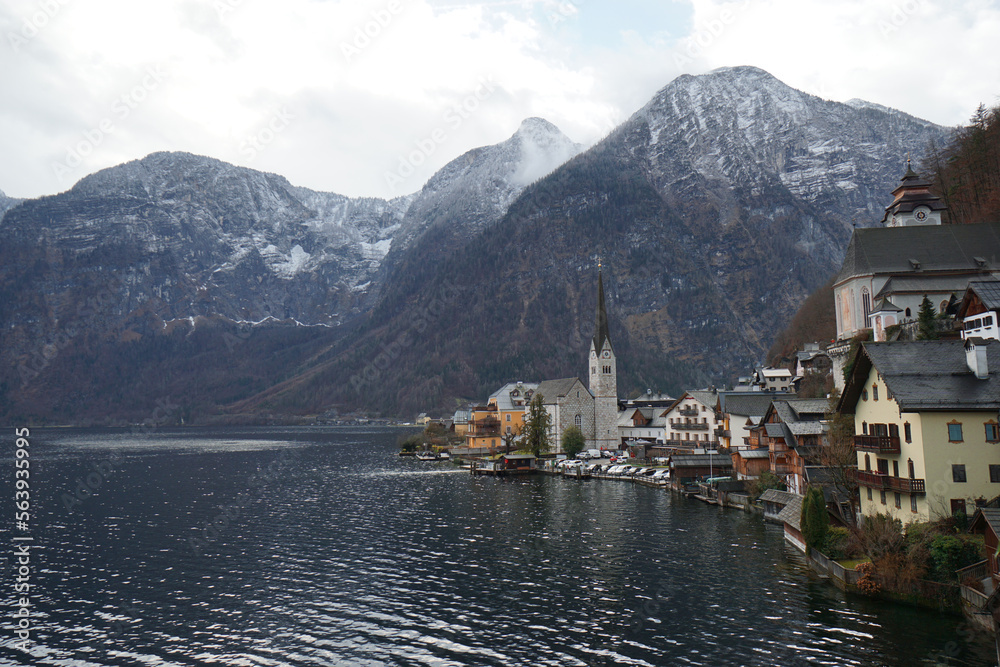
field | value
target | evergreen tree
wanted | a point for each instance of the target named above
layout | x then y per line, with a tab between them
926	321
573	441
537	427
815	521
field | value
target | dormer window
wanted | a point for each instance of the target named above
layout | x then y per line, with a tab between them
914	264
980	262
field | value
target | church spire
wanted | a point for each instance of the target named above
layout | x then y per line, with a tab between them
601	328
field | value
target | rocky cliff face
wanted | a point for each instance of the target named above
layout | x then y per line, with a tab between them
716	208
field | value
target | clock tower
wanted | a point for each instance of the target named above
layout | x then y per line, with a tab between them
913	204
604	377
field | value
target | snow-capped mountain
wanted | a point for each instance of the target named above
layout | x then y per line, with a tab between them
742	131
475	189
716	208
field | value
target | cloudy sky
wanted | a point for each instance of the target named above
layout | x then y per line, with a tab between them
334	95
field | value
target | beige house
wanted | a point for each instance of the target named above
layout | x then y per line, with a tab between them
925	419
692	421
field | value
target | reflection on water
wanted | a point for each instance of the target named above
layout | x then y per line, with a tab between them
311	546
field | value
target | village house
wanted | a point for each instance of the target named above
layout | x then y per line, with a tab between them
740	412
979	311
750	463
692	422
794	431
925	415
483	428
641	425
510	403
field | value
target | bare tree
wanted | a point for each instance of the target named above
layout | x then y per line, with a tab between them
839	455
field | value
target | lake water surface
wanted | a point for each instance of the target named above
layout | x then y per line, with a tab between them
320	546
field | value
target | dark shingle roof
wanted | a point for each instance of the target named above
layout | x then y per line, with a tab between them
882	250
792	512
776	496
927	375
753	453
918	284
553	389
749	403
701	460
601	325
988	292
989	514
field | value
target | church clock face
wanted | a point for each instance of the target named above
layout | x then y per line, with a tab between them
920	214
607	354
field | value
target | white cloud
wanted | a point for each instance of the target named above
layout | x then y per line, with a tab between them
360	84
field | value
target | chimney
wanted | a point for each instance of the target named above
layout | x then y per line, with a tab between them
975	357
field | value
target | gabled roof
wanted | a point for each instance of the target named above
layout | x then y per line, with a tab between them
749	403
926	375
752	453
776	496
888	250
553	389
988	292
792	512
985	515
504	400
701	460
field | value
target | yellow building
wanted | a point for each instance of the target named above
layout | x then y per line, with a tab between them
925	416
484	428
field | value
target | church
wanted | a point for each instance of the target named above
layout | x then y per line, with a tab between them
593	407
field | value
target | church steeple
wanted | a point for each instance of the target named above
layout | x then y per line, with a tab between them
601	326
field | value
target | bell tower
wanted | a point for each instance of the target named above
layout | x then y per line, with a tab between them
604	376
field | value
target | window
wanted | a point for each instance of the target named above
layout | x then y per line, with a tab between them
895	468
958	506
508	416
908	313
955	432
864	394
958	473
869	490
874	392
866	304
907	433
881	495
992	432
578	420
868	465
994	473
864	428
913	503
898	500
909	468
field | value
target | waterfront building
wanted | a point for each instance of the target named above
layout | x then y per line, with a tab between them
692	421
569	403
510	403
794	430
741	411
927	435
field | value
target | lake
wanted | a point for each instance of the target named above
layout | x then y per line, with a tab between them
319	546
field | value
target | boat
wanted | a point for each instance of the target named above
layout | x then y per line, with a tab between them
443	456
426	456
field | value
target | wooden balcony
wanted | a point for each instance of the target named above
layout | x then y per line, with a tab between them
883	444
722	433
689	412
690	427
889	483
483	427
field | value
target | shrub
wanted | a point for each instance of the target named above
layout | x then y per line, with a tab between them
835	544
767	480
815	520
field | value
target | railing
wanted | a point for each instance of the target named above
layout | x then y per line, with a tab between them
781	469
689	412
975	599
722	433
977	571
887	482
484	427
884	444
692	426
